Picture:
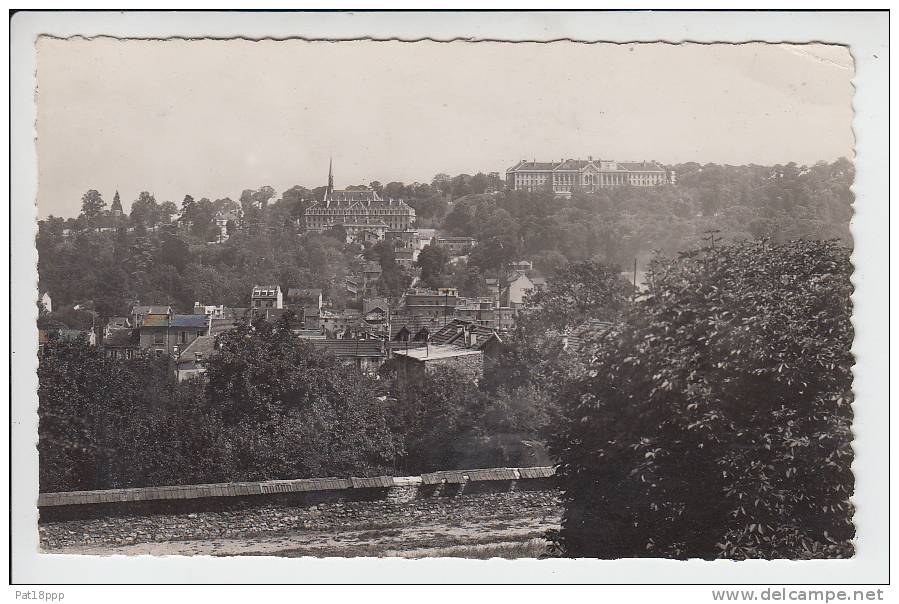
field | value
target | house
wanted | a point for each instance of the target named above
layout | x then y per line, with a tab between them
335	324
375	303
221	222
140	312
486	312
464	334
190	362
405	327
366	356
413	364
306	303
405	246
430	303
266	296
171	334
122	344
116	324
210	310
518	285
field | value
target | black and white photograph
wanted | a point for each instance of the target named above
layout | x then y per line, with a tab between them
473	299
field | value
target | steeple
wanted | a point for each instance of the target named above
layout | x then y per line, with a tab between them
116	208
330	175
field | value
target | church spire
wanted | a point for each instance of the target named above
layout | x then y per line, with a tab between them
330	175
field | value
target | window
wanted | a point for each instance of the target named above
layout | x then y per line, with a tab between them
183	337
158	353
157	337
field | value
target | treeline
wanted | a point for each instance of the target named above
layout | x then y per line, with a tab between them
144	256
618	225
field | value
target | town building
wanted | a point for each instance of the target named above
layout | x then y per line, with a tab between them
405	246
405	327
465	334
565	176
221	223
366	356
122	344
306	303
364	283
415	363
517	287
436	304
210	310
364	214
191	362
171	334
486	312
140	312
266	296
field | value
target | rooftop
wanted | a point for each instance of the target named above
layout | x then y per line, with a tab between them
351	348
151	309
435	352
197	321
202	346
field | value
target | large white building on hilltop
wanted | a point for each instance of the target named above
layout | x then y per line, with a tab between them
570	175
363	214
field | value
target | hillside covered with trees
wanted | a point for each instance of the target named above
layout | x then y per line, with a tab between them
160	253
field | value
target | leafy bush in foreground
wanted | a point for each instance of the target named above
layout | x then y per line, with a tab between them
715	422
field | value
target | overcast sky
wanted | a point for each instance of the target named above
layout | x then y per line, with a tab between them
211	118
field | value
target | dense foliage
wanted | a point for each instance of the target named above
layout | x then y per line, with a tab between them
715	420
269	407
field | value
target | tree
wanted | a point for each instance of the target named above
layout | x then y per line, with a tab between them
435	417
319	419
716	421
432	261
92	205
90	426
116	207
166	210
578	292
144	211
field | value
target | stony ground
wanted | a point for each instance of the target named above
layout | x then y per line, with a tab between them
485	526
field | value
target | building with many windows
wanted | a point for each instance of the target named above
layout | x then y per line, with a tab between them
564	177
362	213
